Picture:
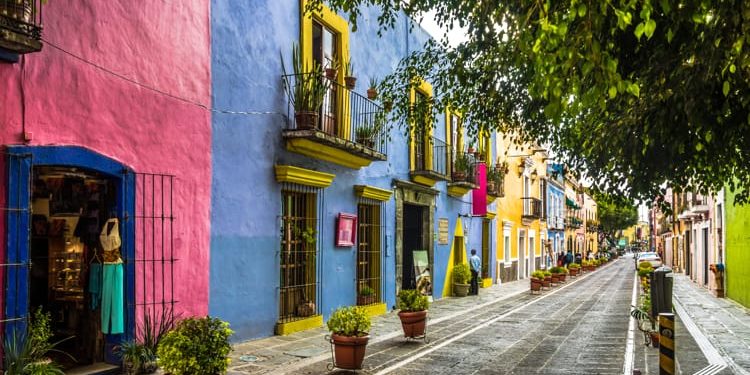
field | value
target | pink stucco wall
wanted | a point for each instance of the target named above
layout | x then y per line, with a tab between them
71	100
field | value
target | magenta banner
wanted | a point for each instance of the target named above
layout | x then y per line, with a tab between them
479	207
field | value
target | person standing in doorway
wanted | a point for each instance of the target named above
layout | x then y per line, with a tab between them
476	265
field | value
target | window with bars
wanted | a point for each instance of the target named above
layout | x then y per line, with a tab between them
298	255
369	254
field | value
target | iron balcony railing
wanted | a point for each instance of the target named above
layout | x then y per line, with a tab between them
341	113
437	155
532	208
574	222
21	25
463	167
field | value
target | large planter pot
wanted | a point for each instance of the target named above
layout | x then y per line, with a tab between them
562	277
413	323
306	120
573	272
349	352
555	279
460	290
536	285
546	282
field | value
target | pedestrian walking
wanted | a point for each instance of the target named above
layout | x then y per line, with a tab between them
476	265
578	258
568	259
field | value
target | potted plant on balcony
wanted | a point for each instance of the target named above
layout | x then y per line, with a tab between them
493	175
366	296
372	91
461	278
349	79
307	91
413	307
461	167
332	69
350	327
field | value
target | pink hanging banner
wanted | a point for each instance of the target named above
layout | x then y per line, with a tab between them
479	203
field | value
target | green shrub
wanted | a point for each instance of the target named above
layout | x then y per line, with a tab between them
349	321
547	273
411	300
537	274
644	272
557	269
645	265
196	346
27	352
574	265
366	291
461	274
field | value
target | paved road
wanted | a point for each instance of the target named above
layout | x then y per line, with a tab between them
578	328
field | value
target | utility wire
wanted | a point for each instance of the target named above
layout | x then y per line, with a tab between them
154	89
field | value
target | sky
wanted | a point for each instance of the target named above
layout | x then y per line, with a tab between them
455	35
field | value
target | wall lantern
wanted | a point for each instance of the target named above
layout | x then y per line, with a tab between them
534	175
521	168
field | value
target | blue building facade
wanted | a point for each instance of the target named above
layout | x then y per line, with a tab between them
311	212
556	209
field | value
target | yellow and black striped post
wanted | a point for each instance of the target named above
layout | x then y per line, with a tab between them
666	344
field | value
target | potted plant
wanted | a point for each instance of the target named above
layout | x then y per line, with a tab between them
365	135
536	281
493	175
461	167
366	296
349	328
134	356
573	269
307	91
461	279
413	307
349	79
470	149
332	69
27	352
372	91
547	279
558	274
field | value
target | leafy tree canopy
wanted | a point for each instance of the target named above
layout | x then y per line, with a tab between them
639	94
615	214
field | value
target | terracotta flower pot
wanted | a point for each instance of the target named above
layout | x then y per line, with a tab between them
654	339
372	94
306	120
349	351
555	279
413	322
546	282
536	285
331	73
365	300
350	82
562	277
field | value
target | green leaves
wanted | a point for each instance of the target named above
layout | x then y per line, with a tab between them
725	88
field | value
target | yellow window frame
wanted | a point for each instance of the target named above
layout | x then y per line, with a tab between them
449	113
423	87
340	27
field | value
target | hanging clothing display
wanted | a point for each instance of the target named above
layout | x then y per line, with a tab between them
110	240
113	309
95	284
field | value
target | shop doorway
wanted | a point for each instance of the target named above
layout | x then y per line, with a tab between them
71	210
60	199
413	239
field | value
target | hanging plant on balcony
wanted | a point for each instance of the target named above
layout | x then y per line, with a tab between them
372	91
366	134
306	90
349	78
332	69
461	167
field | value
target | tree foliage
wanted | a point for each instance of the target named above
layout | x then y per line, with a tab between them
638	94
615	214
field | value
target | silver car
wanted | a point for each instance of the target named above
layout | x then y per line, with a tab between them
650	257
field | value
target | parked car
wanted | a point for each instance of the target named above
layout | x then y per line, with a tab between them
650	257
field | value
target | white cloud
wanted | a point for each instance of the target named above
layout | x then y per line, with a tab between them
456	35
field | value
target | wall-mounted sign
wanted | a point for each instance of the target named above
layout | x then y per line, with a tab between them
346	230
442	231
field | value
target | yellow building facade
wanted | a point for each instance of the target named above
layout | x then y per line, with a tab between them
521	231
591	225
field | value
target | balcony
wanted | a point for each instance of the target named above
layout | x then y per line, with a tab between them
346	129
592	226
555	223
574	222
496	182
532	209
463	173
430	161
21	26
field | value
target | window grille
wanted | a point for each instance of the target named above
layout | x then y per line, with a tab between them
299	286
369	250
154	246
486	235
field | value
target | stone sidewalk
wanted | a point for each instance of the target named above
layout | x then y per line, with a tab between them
720	326
285	354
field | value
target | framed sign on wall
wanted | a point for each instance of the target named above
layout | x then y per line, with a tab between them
346	230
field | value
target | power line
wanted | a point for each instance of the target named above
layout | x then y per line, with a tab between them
154	89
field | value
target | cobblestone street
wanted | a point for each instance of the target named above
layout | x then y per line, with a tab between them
580	327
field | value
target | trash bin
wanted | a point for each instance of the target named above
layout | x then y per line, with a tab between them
661	291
